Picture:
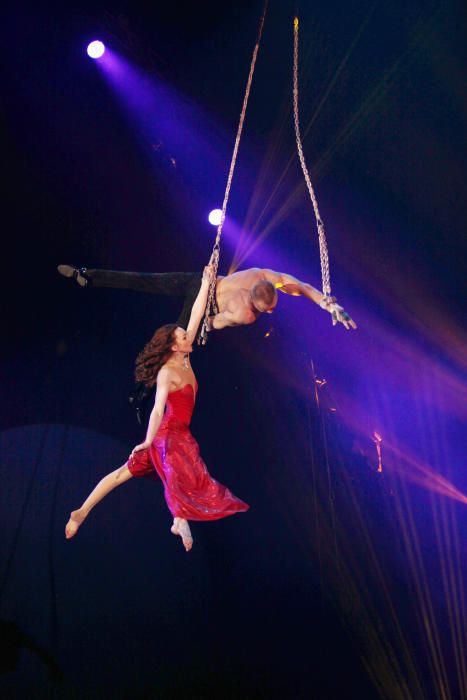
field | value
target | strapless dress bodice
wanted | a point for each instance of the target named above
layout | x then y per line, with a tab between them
179	406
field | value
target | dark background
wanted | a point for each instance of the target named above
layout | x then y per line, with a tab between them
340	581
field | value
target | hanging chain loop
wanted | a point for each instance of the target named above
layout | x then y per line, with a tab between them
211	306
323	247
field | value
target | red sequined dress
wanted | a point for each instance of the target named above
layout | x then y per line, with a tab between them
190	491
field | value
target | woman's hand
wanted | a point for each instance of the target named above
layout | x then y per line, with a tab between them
143	446
208	273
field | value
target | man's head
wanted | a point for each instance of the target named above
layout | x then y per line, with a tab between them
264	296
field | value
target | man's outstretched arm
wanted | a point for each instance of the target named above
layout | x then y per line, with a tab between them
291	285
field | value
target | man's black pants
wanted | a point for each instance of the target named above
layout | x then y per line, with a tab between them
172	284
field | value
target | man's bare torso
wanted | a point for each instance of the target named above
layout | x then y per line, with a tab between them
233	295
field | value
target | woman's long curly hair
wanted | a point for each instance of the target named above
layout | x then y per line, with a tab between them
155	354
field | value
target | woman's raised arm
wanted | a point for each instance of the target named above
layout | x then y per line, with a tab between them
197	312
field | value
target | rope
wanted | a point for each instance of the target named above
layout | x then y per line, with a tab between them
323	247
211	305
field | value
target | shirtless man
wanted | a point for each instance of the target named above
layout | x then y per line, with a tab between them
241	297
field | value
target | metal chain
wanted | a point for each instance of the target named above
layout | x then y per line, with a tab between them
211	306
323	247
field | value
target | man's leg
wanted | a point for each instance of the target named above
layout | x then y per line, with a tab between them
176	284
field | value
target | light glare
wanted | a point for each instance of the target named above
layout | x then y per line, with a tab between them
96	49
215	217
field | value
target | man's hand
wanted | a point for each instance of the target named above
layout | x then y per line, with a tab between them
339	315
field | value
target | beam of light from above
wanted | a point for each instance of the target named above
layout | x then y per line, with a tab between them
95	49
215	217
167	124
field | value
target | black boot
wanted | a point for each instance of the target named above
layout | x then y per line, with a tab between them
78	273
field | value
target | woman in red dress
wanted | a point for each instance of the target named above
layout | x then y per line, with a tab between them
169	448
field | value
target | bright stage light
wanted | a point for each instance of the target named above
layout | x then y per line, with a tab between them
215	217
96	49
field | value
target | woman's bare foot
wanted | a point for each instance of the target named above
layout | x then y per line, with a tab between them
76	518
181	527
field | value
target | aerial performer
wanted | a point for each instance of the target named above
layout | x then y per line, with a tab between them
169	449
240	297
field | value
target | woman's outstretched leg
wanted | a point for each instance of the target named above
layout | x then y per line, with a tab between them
105	486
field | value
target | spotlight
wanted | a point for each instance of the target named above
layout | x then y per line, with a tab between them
96	49
215	217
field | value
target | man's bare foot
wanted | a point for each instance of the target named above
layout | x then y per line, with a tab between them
76	518
181	527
